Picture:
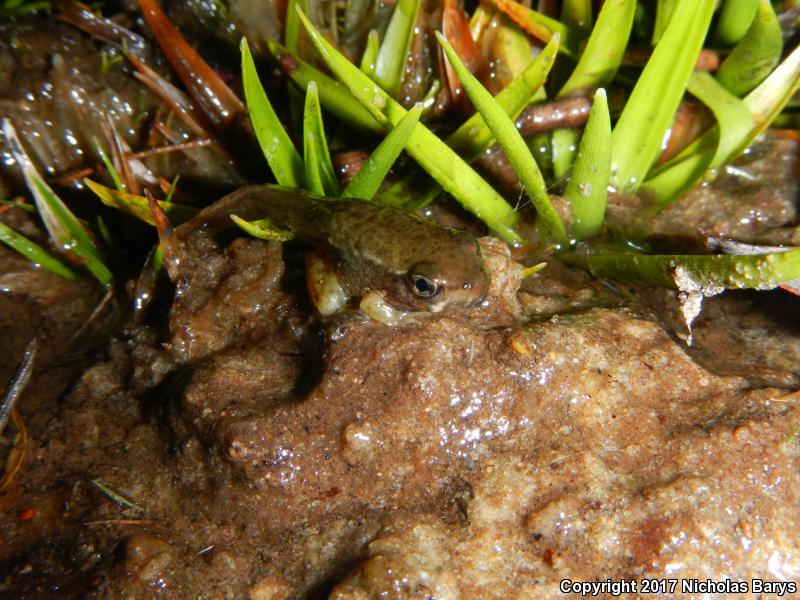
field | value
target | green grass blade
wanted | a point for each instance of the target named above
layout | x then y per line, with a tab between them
734	120
755	55
604	51
596	68
75	239
481	19
263	229
137	206
291	32
172	187
734	21
543	27
512	144
577	14
563	146
368	180
20	205
587	189
320	177
34	252
771	96
413	191
333	95
474	136
664	10
444	165
370	56
757	271
764	104
512	52
66	231
390	64
637	137
277	146
667	186
109	166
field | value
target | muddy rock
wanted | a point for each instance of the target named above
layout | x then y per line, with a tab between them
482	453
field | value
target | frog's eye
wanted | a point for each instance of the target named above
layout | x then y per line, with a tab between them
424	287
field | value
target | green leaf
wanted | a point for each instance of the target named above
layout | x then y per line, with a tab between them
366	182
604	51
734	120
291	32
454	175
511	51
664	10
137	206
563	146
320	177
393	54
263	229
764	104
333	95
596	68
758	271
577	14
278	149
587	189
734	21
370	56
20	205
543	27
475	136
755	55
666	186
109	166
172	187
770	97
512	144
637	137
34	252
66	231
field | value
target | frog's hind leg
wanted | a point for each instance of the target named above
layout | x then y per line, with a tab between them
326	291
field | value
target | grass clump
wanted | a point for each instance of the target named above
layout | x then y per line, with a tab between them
580	54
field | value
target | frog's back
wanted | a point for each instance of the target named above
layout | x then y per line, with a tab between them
387	237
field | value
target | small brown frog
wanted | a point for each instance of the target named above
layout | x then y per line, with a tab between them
392	260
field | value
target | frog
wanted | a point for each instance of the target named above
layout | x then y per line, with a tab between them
398	264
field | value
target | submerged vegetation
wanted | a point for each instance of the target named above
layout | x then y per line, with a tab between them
731	58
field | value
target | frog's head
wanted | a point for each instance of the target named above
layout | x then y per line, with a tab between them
458	279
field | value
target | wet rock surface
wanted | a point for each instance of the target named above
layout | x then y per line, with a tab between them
753	200
476	454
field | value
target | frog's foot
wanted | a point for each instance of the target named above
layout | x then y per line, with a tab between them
375	306
326	291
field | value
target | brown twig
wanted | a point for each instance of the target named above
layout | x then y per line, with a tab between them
16	458
166	149
120	158
18	382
